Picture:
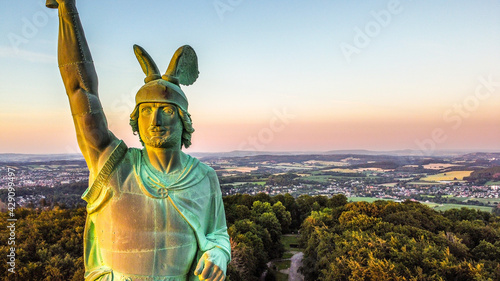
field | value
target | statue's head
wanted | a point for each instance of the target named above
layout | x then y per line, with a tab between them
160	116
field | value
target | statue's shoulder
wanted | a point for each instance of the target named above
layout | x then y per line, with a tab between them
201	167
134	153
208	172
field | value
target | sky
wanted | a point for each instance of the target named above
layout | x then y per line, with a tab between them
274	75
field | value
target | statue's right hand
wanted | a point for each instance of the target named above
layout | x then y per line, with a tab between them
54	4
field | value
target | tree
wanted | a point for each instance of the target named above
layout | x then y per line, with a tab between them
398	241
337	201
291	206
486	251
496	210
49	244
248	248
283	216
260	208
236	212
270	224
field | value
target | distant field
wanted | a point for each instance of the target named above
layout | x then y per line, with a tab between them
392	184
325	163
375	170
320	179
438	166
485	200
425	183
339	170
460	199
366	199
289	167
435	206
448	176
404	179
444	207
241	169
465	199
493	183
36	167
245	182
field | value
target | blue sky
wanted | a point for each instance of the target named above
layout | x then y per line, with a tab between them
413	62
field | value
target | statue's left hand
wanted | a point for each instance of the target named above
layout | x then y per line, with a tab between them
207	270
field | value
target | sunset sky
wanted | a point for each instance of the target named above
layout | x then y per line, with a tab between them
274	75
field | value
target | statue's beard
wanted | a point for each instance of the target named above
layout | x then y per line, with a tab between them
171	141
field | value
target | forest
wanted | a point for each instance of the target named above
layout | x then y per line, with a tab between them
383	240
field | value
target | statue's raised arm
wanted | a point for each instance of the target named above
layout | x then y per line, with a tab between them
80	80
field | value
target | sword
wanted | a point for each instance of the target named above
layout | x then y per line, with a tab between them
52	4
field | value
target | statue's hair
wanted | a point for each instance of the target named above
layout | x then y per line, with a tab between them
187	125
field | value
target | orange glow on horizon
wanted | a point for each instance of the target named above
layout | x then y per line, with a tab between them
373	132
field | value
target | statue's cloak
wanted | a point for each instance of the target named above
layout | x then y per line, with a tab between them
132	208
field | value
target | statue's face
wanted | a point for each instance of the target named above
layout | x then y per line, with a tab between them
160	125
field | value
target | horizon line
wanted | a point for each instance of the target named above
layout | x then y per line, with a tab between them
462	150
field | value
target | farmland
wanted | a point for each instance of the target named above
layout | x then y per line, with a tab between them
448	176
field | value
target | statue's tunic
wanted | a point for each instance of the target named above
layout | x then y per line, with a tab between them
145	225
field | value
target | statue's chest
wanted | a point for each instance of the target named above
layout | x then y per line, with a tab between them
143	235
135	219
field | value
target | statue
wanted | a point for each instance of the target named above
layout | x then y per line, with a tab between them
154	213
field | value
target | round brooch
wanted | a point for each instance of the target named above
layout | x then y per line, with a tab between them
163	192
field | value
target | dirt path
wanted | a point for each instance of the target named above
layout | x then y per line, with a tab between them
296	262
